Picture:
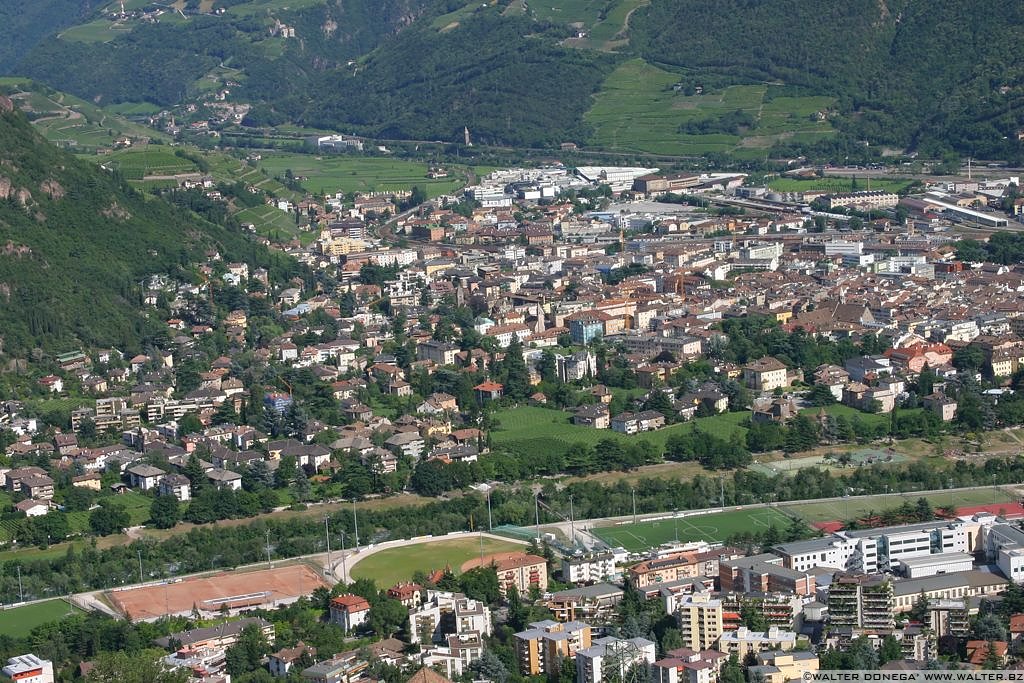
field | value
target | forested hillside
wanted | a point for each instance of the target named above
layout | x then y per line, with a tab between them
27	22
906	72
76	243
505	78
160	62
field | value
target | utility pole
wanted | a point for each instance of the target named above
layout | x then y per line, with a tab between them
572	523
344	563
21	589
490	522
536	511
268	547
327	536
721	483
141	580
355	521
633	491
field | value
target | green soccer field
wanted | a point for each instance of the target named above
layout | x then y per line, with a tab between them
19	622
394	565
716	527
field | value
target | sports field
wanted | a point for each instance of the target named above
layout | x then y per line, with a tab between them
715	527
862	506
19	621
208	594
395	565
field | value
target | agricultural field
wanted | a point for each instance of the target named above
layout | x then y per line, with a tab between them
342	173
638	110
18	622
864	506
97	31
69	121
138	163
836	184
713	527
394	565
528	429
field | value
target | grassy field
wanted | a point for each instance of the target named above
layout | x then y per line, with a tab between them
837	184
393	565
528	428
357	174
861	506
714	527
638	110
19	621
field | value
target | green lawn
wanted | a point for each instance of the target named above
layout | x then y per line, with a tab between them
529	429
19	621
860	506
358	174
638	110
714	527
394	565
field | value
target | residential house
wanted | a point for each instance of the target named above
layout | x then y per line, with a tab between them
593	415
144	477
349	611
765	374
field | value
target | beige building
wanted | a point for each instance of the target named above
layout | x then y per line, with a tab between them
541	648
700	621
743	641
765	374
778	667
522	570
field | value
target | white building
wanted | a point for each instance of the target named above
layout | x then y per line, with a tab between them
590	568
29	669
593	662
932	565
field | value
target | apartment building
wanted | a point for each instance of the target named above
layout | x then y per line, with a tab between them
743	641
684	665
699	617
541	648
861	601
613	658
588	568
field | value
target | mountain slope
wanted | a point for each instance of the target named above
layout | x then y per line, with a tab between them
906	72
76	242
26	24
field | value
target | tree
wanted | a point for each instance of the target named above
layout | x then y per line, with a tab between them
732	672
387	616
196	475
108	518
189	424
517	377
988	627
164	512
890	650
489	667
659	401
246	654
145	666
481	583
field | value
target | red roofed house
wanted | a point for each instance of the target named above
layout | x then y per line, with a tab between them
409	594
349	611
488	391
521	570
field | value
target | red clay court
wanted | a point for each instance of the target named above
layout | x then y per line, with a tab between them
261	588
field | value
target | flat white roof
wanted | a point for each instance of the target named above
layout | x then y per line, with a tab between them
937	559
